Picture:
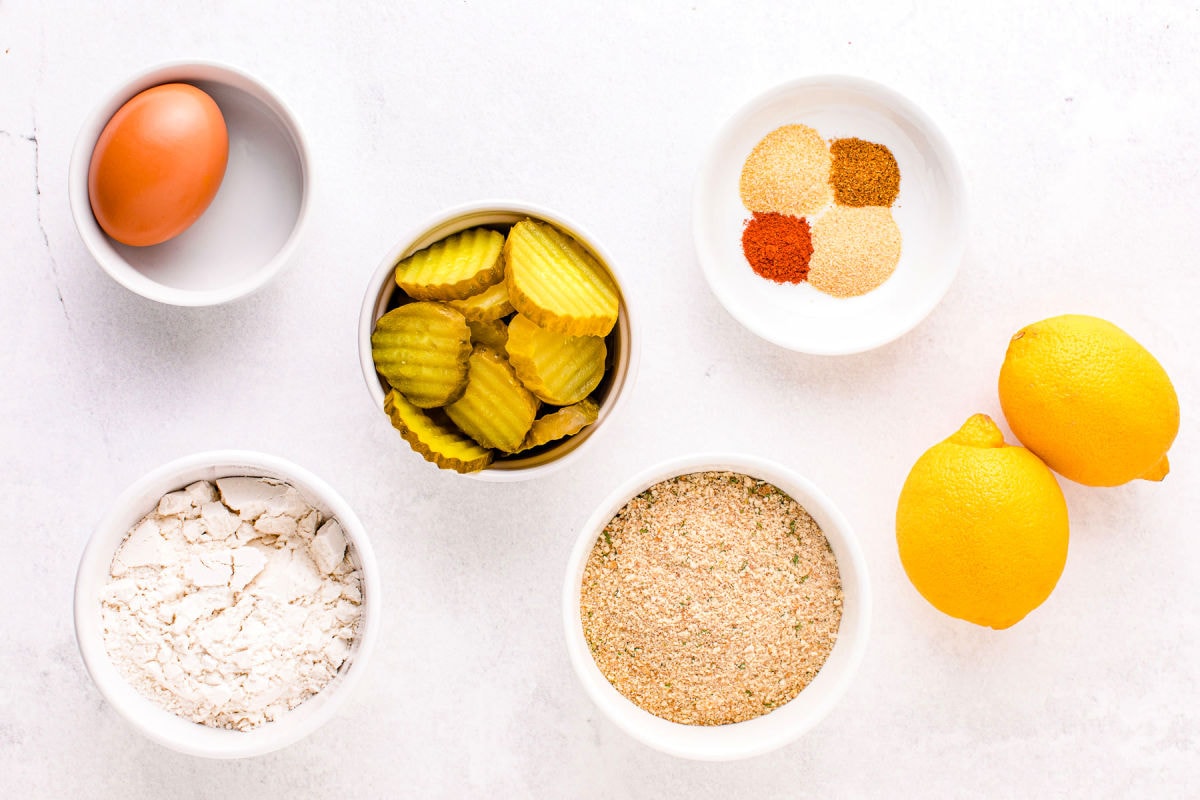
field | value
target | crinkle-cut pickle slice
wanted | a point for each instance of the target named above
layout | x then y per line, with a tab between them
490	304
494	334
555	282
496	410
559	369
456	267
566	421
422	349
444	446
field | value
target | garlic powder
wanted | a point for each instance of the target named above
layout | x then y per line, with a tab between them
230	604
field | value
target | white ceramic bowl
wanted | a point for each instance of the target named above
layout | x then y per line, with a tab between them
930	210
251	228
622	341
785	723
147	716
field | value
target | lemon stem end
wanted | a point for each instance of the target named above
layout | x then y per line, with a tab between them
1158	471
978	431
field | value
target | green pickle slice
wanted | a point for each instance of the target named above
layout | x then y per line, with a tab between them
422	350
490	304
439	444
557	283
496	410
455	267
566	421
559	369
494	334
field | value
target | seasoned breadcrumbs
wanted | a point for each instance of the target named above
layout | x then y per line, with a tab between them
711	598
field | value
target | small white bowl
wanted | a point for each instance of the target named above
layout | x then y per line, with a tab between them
931	213
622	342
147	716
251	228
785	723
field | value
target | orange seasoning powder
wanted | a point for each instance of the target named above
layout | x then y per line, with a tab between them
778	246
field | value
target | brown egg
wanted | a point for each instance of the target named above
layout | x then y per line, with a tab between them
158	164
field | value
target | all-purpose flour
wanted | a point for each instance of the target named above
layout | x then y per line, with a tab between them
231	604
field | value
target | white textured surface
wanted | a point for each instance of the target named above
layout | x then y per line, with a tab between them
1077	131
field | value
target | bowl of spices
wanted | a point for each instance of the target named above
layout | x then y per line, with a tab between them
227	604
189	183
829	216
497	340
716	606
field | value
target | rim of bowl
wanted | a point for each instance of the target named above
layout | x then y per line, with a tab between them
98	243
147	716
954	175
704	743
407	245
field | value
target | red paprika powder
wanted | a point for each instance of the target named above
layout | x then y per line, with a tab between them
778	246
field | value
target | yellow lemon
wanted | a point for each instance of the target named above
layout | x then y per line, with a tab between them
982	527
1089	400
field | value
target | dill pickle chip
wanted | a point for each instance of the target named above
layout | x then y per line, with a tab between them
496	410
440	444
422	349
490	304
455	267
557	283
566	421
558	369
494	334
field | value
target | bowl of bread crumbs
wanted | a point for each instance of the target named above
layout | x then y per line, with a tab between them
716	606
227	604
829	216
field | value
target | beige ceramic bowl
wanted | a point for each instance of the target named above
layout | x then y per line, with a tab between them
382	293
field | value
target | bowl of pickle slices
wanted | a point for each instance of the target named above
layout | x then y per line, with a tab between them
497	340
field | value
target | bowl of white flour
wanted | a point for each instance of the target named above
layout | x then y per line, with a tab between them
227	603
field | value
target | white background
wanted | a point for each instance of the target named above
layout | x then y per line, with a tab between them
1077	128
